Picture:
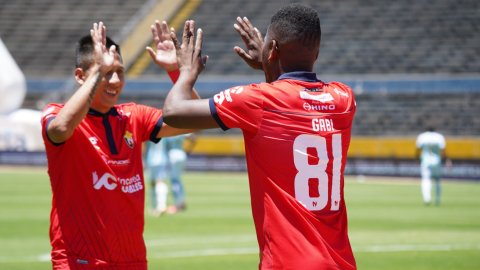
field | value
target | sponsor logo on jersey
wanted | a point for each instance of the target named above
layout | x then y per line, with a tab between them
340	93
132	184
315	107
94	141
129	185
114	162
314	89
322	98
103	181
227	95
128	139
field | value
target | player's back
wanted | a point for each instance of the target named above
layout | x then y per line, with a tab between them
431	143
297	133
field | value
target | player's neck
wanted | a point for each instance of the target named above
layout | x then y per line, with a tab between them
100	108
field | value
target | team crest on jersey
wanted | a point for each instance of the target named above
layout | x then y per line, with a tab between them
129	139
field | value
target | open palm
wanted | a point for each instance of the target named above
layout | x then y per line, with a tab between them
103	58
165	55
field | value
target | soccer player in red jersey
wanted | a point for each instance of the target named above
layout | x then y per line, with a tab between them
297	133
94	162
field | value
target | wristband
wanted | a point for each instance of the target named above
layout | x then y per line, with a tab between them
174	75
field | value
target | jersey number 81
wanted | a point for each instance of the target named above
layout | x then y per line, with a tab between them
312	171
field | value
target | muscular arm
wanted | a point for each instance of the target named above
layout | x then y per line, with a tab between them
71	115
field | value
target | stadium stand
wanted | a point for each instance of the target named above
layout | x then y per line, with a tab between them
358	36
41	34
411	64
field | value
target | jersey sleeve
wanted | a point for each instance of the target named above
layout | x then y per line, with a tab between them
149	121
238	107
48	114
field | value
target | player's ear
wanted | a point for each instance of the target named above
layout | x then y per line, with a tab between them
80	76
316	57
273	52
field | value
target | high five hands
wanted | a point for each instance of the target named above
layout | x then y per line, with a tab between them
165	55
253	41
189	53
103	58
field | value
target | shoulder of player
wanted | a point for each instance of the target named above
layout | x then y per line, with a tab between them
52	109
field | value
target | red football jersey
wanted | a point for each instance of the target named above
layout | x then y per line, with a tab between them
297	132
97	216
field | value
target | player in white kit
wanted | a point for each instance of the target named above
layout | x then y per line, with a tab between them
432	145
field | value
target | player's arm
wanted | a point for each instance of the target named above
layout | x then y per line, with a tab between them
166	57
71	115
180	110
253	40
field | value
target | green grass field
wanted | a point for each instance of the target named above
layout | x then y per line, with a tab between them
389	226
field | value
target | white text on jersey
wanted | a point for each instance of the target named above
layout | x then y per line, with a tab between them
322	125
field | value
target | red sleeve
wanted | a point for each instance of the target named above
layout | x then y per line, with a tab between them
149	122
49	113
238	107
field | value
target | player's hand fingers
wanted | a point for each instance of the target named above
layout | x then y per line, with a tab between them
192	34
243	54
204	60
247	23
151	52
103	31
156	39
186	35
159	31
242	34
175	40
199	42
165	30
112	50
259	35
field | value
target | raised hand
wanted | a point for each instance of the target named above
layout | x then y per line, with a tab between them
103	58
253	41
189	53
165	55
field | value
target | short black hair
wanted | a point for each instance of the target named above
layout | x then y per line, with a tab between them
84	52
431	129
297	22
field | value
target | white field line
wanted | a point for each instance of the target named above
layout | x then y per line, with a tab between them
254	250
202	240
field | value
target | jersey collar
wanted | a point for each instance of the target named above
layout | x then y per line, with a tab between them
304	76
113	112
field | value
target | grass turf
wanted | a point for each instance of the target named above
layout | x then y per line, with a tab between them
389	226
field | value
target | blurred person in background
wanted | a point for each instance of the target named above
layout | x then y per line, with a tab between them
167	160
432	145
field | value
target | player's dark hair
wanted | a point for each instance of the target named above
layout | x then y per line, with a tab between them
297	22
84	52
431	129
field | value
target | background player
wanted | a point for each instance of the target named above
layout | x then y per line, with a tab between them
167	159
296	130
432	145
94	163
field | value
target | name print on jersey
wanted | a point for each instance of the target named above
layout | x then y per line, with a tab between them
322	125
129	185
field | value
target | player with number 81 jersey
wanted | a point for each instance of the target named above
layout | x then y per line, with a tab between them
297	133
